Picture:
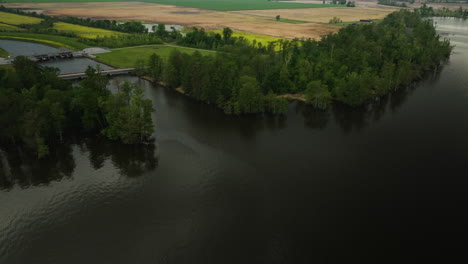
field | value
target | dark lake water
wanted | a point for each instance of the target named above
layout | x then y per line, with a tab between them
385	183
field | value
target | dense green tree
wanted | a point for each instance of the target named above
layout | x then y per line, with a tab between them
250	98
88	97
318	95
227	33
155	68
128	115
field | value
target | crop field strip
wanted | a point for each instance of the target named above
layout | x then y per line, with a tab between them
13	19
52	40
6	27
219	5
85	32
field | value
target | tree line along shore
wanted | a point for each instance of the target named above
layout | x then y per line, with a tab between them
353	66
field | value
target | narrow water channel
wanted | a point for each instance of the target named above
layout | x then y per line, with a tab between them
306	187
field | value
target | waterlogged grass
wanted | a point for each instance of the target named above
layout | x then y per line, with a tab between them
13	19
128	57
5	27
85	32
220	5
250	36
51	40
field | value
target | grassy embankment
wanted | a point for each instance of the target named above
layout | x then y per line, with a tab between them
128	57
219	5
51	40
3	53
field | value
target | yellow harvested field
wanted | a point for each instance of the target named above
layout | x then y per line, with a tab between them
13	19
322	15
260	22
85	32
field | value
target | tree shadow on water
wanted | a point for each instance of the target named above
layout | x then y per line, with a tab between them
313	118
22	168
130	160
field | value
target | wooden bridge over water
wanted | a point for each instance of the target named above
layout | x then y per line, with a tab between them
81	75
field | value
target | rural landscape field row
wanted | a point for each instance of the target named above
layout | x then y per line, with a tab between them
313	21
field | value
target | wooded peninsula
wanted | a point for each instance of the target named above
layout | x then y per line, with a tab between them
353	66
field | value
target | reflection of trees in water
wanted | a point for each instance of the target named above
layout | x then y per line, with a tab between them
18	166
130	160
357	118
313	118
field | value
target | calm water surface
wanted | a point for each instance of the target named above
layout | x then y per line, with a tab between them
309	187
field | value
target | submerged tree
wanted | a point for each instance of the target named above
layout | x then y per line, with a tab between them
128	115
318	95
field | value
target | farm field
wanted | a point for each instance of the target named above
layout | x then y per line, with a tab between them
323	15
13	19
128	57
189	17
5	27
85	32
311	22
219	5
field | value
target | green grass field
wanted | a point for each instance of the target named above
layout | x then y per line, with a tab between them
13	19
52	40
85	32
128	57
5	27
220	5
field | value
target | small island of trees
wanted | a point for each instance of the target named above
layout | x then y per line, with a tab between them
37	108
